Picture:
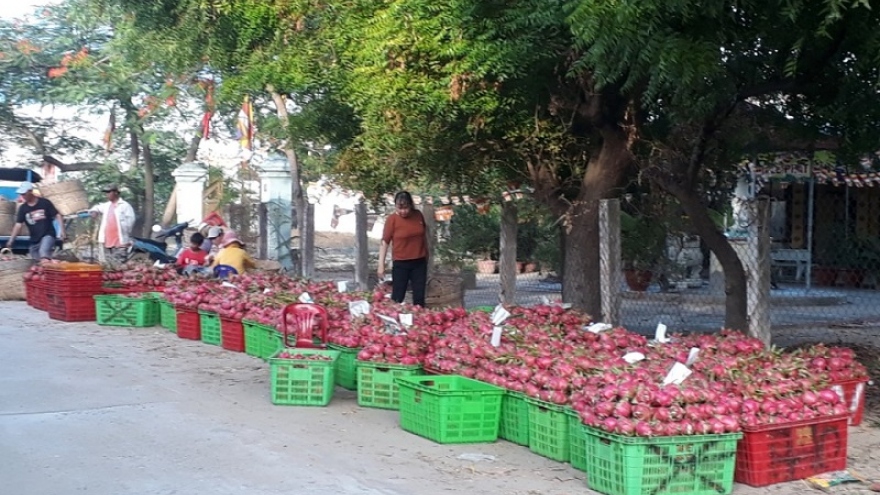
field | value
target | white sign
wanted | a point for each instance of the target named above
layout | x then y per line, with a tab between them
692	356
633	357
496	336
342	286
305	298
406	319
358	308
499	315
677	374
660	334
598	327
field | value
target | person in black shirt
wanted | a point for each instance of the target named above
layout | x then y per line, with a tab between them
38	213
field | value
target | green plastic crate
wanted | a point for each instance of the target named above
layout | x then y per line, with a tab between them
577	441
121	311
346	366
680	465
303	382
548	430
210	324
450	408
376	386
514	418
260	340
167	316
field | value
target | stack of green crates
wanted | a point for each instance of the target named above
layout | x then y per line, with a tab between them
210	324
686	465
167	315
261	341
124	311
346	366
514	418
577	441
450	408
303	382
548	430
376	386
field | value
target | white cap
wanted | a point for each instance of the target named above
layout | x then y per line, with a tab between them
25	187
214	232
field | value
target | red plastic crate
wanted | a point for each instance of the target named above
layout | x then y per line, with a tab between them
78	283
69	308
188	324
853	393
35	294
232	334
791	451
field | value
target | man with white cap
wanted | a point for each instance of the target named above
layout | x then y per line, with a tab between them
39	214
213	238
117	220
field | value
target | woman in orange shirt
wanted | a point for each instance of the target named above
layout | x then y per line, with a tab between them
405	232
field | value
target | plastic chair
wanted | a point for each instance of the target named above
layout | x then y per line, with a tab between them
305	318
223	271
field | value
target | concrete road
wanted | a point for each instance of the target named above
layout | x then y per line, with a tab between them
113	411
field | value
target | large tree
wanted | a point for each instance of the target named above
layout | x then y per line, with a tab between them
717	80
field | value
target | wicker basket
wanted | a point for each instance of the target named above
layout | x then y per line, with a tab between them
12	278
69	197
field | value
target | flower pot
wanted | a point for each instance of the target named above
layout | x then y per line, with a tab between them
638	280
520	266
486	267
825	275
530	267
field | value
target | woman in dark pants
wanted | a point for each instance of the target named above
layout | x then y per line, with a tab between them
405	232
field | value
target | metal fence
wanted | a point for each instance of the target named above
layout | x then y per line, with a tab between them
809	262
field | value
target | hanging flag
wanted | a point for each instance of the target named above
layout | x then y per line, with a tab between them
208	86
245	125
111	128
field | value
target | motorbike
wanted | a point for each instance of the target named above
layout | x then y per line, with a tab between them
157	247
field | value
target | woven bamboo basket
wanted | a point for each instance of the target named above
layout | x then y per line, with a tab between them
7	216
12	277
69	197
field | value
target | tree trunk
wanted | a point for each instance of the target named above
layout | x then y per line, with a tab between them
293	161
581	266
507	247
149	187
735	284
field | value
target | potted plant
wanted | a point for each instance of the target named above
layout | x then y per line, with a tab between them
474	234
641	248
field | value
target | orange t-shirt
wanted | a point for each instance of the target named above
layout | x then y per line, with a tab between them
406	236
111	231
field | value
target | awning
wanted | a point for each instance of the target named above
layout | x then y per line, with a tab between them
19	175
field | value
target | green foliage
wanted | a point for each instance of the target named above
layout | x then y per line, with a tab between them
473	234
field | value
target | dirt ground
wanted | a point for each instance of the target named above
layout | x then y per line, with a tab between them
113	411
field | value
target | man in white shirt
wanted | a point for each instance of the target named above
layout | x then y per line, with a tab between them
117	220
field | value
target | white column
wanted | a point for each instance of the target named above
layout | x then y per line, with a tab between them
276	194
190	178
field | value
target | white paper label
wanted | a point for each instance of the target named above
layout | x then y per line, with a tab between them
496	336
306	298
342	286
406	319
633	357
598	327
677	374
227	284
692	356
358	308
499	315
391	325
660	334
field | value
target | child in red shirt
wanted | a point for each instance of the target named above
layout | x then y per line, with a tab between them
194	255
